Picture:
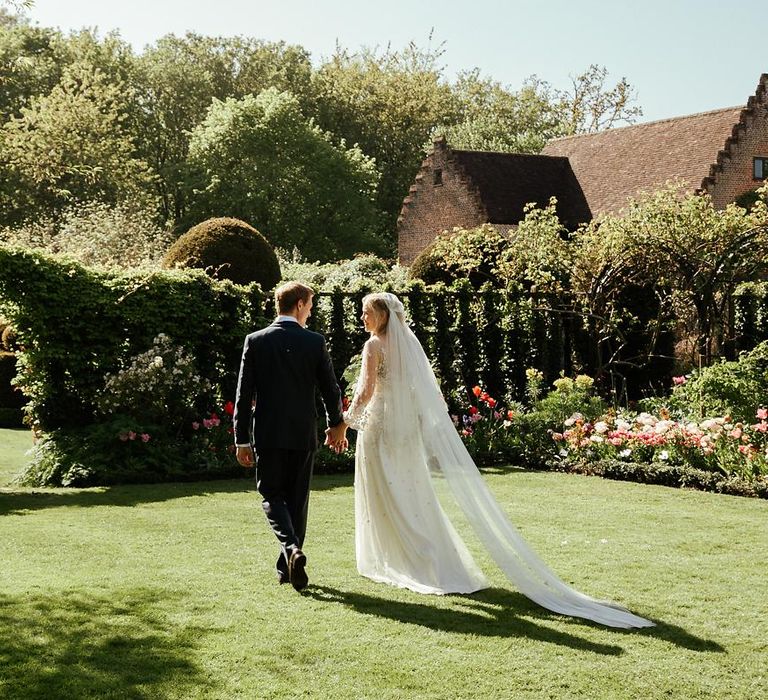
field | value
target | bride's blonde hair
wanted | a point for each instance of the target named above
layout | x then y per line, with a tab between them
377	305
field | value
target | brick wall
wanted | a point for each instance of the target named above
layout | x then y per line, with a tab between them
429	209
751	140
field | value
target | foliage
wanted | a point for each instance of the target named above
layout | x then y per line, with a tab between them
724	388
496	118
176	80
227	248
538	257
689	253
95	320
388	103
717	444
260	159
72	145
122	449
361	272
471	254
665	474
589	105
158	385
97	234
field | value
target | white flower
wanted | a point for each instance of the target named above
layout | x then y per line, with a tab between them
596	438
646	419
601	427
625	453
570	421
663	455
563	453
623	425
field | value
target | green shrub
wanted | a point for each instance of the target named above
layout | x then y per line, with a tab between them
429	267
471	254
77	325
226	248
726	388
677	476
363	272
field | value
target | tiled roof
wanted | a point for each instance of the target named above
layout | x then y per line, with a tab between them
615	164
506	182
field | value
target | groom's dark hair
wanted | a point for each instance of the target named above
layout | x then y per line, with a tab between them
289	294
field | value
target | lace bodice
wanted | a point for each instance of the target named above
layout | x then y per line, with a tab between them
371	384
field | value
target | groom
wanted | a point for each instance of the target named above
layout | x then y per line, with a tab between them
281	367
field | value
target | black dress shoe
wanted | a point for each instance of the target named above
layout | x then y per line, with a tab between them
296	572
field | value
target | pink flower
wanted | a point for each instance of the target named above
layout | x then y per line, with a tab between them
762	413
123	436
735	433
145	437
207	423
679	381
761	427
131	435
195	425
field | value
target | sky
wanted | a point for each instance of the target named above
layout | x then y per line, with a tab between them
681	56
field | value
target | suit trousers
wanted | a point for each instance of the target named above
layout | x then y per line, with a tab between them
282	479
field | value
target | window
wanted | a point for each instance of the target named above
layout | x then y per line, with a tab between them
437	177
760	168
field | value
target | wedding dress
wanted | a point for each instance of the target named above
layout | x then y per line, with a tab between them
402	534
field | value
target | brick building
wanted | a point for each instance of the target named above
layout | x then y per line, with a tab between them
723	152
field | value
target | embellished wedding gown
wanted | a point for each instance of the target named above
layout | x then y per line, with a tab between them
402	535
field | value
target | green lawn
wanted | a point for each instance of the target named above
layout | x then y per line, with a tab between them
167	591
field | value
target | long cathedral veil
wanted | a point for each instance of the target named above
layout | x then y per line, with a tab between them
420	416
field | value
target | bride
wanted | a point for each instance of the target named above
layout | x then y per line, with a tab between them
405	438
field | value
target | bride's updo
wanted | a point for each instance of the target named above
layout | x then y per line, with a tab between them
377	305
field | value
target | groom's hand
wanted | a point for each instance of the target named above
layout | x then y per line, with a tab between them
335	438
245	457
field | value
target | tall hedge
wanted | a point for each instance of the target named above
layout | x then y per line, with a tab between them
77	324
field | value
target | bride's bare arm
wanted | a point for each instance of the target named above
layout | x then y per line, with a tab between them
354	417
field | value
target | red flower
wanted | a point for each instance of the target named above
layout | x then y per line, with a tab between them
229	408
473	410
491	402
510	415
484	397
477	390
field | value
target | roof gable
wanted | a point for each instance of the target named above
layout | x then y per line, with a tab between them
506	182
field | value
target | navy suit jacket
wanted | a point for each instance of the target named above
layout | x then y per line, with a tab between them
281	367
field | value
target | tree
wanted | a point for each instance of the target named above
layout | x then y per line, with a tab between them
494	118
70	146
388	104
589	105
259	159
180	76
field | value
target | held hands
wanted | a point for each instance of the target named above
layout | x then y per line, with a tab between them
336	438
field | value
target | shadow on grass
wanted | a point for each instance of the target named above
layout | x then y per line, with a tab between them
490	613
14	502
77	645
18	501
497	612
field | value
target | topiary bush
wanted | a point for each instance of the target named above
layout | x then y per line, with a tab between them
471	254
429	267
226	248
